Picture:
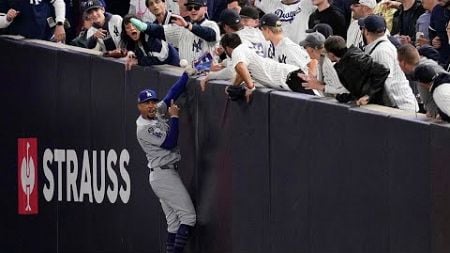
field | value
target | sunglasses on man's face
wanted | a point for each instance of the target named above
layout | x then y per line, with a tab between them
193	7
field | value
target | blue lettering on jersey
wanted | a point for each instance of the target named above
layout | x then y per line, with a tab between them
155	130
287	16
197	46
271	51
259	48
282	59
116	31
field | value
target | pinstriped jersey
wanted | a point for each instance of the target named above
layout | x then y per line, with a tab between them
294	17
255	39
151	133
396	85
113	24
265	71
288	52
190	46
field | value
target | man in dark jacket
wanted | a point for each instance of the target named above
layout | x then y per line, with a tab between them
359	74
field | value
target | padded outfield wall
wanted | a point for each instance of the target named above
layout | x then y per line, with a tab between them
285	173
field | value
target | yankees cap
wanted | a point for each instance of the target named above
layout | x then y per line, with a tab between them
270	19
229	17
425	73
314	40
325	29
373	23
147	95
195	2
249	12
91	4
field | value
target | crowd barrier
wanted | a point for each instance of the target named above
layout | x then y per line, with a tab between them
286	173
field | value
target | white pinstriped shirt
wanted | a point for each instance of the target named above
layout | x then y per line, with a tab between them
190	46
396	85
330	77
294	17
354	34
265	71
441	96
288	52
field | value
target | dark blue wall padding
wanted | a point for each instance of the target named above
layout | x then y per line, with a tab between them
440	174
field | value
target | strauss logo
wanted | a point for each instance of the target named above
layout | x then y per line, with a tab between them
27	171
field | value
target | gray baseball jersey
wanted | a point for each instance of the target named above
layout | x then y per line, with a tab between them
151	134
190	46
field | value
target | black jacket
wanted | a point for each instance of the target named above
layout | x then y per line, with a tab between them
409	28
361	76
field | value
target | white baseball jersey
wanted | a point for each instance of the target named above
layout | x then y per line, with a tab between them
190	46
441	96
114	28
265	71
294	17
3	21
255	38
288	52
328	75
396	85
354	35
151	134
138	8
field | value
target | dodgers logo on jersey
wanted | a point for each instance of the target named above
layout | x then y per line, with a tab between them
197	46
155	130
287	16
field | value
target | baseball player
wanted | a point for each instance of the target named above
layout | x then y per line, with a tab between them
158	137
104	34
293	14
285	51
192	39
265	71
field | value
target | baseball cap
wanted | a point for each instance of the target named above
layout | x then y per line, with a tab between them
369	3
249	12
313	40
425	73
325	29
429	52
373	23
195	2
270	19
229	17
92	4
147	95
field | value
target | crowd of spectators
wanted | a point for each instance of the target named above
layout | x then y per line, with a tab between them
393	53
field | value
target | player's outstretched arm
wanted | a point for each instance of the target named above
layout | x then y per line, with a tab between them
171	139
176	89
152	30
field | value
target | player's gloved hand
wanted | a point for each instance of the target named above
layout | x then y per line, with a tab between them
141	26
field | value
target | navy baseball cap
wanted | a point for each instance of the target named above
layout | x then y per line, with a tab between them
229	17
373	23
429	52
425	73
195	2
270	19
147	95
91	4
249	12
325	29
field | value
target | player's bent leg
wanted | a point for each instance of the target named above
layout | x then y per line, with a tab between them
171	217
182	237
170	242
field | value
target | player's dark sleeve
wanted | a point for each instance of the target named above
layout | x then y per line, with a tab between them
91	42
155	31
176	89
204	32
172	137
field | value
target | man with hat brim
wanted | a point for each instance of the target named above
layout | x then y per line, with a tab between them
437	82
293	15
325	29
321	76
285	51
360	9
249	16
398	92
158	138
193	39
104	34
